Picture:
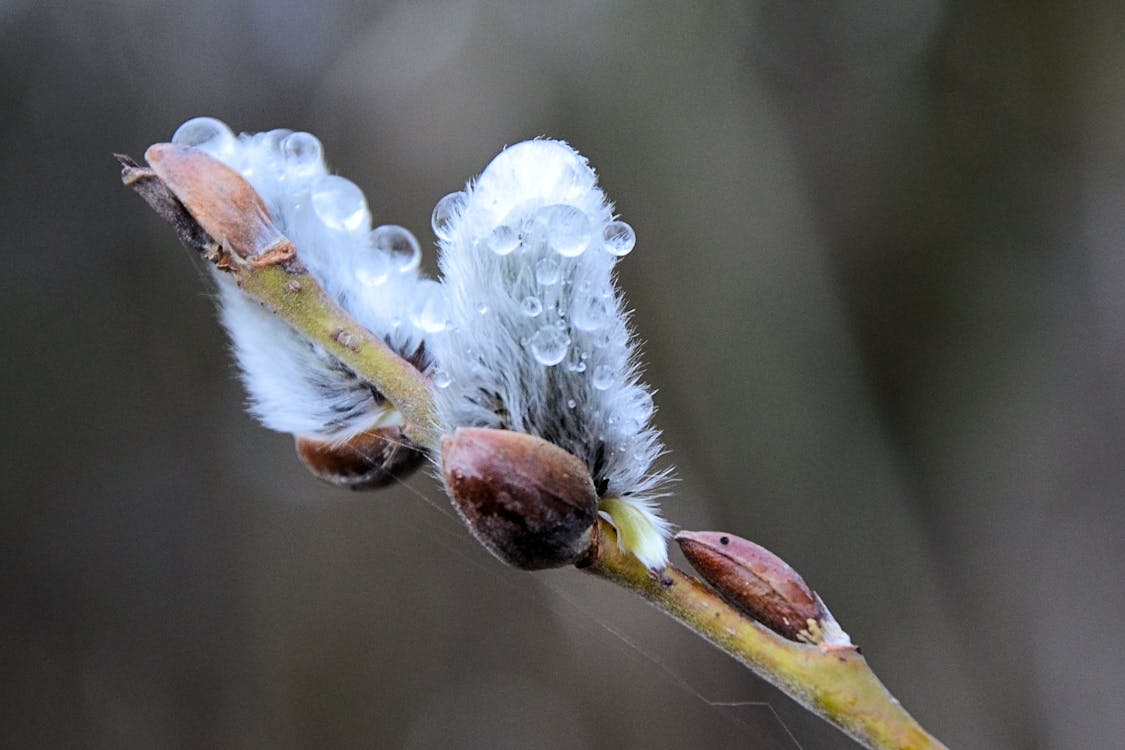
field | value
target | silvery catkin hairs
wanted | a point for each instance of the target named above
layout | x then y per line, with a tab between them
537	338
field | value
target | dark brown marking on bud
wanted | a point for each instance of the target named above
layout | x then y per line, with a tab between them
754	580
222	201
529	502
345	338
371	459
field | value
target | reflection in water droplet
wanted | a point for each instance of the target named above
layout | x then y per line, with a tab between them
441	378
373	269
532	306
482	309
448	208
603	377
503	240
571	403
429	313
272	139
547	271
638	407
303	152
339	203
207	134
400	245
574	363
591	313
619	238
567	229
549	345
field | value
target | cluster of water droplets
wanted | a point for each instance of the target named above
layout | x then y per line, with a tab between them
566	229
548	241
327	216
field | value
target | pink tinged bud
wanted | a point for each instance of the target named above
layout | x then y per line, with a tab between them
755	581
222	201
531	503
368	460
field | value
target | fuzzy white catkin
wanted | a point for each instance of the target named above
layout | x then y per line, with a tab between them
293	385
538	338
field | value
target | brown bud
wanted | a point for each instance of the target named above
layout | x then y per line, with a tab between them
754	580
370	459
531	503
221	200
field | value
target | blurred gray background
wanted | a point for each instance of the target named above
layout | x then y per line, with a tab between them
881	281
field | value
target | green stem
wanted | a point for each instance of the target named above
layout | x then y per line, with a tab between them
836	684
299	301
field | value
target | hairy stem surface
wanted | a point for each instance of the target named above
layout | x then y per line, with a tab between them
836	684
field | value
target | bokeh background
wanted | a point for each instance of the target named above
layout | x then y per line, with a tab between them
881	281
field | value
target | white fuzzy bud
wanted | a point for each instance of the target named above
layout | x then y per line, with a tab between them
538	340
294	385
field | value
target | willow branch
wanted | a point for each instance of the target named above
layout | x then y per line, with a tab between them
836	684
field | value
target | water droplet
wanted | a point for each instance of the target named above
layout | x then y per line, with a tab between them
571	403
637	406
619	238
547	271
444	213
207	134
503	240
549	345
482	309
429	313
400	245
303	152
532	306
574	363
271	140
373	270
396	321
339	203
591	313
441	378
567	229
603	377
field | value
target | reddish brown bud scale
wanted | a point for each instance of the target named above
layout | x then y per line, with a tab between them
754	580
221	200
531	503
371	459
